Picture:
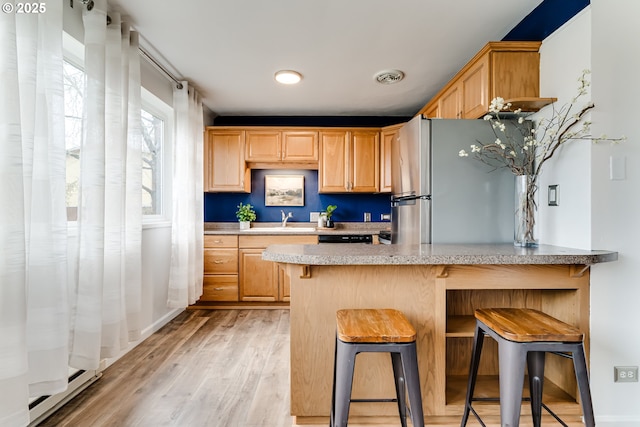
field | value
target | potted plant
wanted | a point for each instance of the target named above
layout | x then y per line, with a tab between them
245	215
327	213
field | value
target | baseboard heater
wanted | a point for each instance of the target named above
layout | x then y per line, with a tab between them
42	407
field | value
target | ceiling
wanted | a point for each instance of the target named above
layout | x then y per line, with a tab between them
229	50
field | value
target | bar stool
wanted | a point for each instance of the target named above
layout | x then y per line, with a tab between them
379	331
525	335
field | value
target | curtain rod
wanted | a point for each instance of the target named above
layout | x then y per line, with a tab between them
160	67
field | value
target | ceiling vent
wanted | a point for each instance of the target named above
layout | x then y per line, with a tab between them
388	77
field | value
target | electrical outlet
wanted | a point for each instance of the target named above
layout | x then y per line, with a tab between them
625	374
385	217
313	216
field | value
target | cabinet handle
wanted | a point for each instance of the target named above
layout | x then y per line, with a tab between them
217	241
217	289
218	261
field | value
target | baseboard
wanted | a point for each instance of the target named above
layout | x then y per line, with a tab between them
146	333
618	421
44	406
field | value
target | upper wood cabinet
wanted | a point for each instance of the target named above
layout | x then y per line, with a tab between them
510	70
224	164
274	146
349	161
388	137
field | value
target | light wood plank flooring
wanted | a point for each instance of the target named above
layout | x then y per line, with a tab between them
204	368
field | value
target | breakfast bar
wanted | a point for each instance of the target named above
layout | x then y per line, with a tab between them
438	288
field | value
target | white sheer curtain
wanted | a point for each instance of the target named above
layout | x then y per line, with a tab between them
33	281
185	280
105	302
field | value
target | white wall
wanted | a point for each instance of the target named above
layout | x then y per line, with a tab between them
563	56
615	210
596	212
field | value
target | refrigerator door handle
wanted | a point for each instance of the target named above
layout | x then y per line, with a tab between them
408	199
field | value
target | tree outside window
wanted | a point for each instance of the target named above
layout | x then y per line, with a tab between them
152	139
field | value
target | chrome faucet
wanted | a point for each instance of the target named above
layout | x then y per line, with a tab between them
285	217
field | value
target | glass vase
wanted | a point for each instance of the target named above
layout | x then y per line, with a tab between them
525	212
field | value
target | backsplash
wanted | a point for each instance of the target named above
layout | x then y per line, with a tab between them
221	207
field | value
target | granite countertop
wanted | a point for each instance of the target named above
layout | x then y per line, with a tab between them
435	254
294	228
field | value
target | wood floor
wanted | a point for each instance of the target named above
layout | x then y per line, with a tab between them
206	368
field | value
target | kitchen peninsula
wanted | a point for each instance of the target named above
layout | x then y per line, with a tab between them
438	287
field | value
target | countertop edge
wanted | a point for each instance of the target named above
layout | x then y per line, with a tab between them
362	254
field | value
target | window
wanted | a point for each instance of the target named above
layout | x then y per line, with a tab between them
157	122
152	141
73	106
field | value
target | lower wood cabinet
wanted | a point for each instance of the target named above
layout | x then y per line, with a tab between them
260	280
220	281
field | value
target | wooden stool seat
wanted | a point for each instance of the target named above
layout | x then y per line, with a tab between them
376	331
527	325
374	326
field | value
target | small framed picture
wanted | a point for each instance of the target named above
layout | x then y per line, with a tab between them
284	190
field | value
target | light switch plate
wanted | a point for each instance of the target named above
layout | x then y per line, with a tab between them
313	216
553	195
617	168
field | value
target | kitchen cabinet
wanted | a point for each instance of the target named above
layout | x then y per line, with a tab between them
220	281
349	161
260	280
225	169
510	70
286	146
449	103
388	137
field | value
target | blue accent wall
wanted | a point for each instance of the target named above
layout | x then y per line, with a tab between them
221	207
545	19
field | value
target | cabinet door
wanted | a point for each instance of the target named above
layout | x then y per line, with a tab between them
387	139
257	278
263	146
449	103
475	89
365	162
225	168
299	146
433	112
332	170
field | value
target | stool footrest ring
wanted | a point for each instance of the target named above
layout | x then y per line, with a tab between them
524	399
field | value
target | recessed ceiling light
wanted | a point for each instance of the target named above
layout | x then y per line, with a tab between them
288	77
388	77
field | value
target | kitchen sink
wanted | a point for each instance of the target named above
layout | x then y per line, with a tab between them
279	230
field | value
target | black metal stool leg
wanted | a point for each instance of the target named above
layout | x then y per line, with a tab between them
580	366
400	381
412	377
512	360
478	340
535	364
345	363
